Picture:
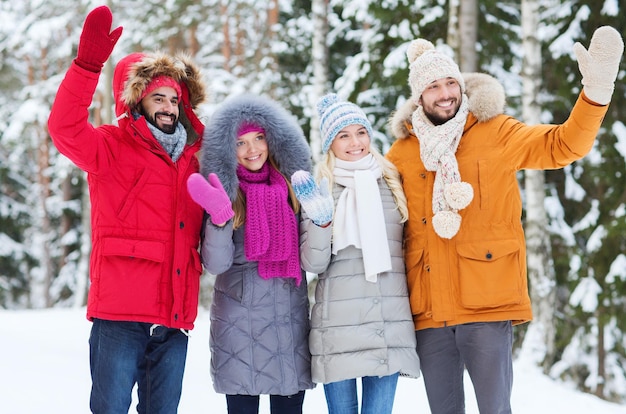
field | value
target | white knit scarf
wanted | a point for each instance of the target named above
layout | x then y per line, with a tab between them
438	145
359	219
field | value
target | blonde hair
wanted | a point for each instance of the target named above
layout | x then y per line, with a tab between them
239	205
389	172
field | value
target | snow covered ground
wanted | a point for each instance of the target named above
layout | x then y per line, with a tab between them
44	368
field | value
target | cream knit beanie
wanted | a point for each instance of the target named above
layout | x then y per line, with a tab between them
427	65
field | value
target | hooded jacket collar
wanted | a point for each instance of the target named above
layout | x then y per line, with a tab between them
285	139
134	72
486	100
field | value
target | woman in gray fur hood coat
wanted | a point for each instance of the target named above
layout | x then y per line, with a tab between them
260	309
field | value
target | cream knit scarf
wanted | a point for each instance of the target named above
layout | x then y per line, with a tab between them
359	219
438	145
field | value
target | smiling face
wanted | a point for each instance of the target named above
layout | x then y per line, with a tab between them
160	108
351	143
252	150
441	100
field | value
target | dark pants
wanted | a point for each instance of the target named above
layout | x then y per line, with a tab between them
279	404
484	349
123	354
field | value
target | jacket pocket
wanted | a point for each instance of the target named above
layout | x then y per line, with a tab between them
130	201
490	273
129	276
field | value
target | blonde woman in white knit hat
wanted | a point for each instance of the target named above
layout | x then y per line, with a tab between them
361	325
458	156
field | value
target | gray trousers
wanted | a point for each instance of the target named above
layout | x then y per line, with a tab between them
485	349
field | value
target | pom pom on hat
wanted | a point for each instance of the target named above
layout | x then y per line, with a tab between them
335	115
427	65
417	48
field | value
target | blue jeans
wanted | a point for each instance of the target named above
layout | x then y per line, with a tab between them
125	353
279	404
377	395
484	349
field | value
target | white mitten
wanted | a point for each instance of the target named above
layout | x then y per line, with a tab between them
599	65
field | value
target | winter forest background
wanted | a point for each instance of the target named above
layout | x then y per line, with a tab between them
295	51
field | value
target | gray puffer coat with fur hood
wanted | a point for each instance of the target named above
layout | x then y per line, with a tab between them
259	327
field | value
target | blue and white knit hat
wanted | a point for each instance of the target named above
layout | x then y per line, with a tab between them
335	115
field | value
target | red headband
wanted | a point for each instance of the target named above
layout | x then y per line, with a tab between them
160	81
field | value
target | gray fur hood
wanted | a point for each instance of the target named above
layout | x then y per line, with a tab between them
285	139
486	101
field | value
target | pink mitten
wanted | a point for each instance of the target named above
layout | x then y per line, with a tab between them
211	196
97	40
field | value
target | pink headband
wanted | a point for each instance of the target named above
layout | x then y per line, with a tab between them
246	127
160	81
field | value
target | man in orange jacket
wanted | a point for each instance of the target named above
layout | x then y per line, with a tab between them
465	253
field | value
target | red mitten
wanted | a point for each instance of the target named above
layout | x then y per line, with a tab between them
211	196
97	40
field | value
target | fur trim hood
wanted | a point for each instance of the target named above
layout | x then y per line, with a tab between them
285	139
486	100
134	72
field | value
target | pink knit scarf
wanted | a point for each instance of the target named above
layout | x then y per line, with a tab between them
271	235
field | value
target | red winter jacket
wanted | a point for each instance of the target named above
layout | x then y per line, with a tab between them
144	265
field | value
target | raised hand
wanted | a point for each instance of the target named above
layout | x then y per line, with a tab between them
211	196
97	40
315	200
599	65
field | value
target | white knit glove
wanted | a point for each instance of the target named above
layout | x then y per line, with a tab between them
318	204
599	65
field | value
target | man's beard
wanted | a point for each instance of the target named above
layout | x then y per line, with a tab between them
439	119
168	129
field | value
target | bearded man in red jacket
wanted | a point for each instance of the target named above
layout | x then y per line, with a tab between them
145	268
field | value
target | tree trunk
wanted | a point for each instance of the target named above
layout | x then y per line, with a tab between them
453	38
45	264
320	70
539	341
227	49
41	281
468	34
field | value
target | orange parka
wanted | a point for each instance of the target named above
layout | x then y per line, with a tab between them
480	274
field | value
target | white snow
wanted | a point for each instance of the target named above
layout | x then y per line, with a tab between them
44	368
